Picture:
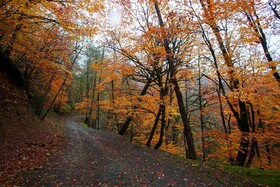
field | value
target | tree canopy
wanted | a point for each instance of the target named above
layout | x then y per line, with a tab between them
198	78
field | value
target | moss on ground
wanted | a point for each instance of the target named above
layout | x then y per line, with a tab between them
260	177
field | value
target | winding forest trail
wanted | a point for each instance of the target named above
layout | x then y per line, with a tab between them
96	158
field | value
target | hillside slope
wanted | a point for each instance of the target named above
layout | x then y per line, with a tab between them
25	141
13	100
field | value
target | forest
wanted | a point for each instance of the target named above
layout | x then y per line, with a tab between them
197	78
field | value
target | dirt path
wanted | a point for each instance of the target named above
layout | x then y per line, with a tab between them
95	158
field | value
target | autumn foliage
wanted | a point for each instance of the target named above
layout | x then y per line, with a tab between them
197	78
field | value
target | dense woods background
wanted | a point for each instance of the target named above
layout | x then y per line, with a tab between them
196	78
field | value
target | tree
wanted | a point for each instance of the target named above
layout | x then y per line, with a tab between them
40	42
255	23
240	114
171	62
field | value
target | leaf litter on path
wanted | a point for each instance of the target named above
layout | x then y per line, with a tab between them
98	158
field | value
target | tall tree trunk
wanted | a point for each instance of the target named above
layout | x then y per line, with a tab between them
187	129
252	112
268	152
201	115
114	114
253	149
254	143
243	126
92	101
241	115
98	109
148	144
167	136
41	106
88	72
243	149
191	153
161	128
55	97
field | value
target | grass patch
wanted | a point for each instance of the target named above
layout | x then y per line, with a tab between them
257	176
